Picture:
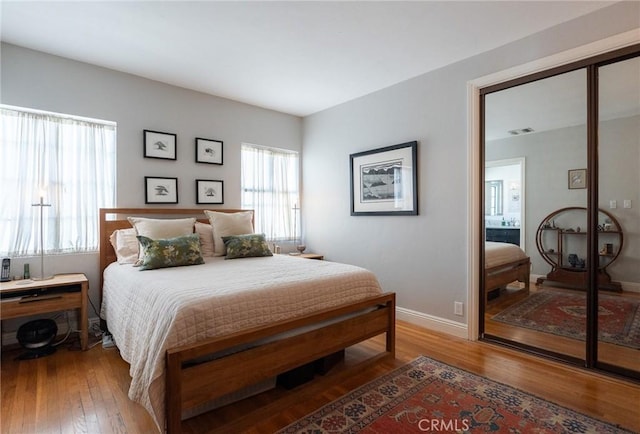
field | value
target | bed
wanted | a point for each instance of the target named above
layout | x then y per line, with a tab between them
198	333
505	263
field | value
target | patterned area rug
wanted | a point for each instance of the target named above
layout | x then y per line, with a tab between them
564	314
430	396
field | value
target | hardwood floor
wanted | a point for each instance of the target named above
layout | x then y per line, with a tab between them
86	392
625	357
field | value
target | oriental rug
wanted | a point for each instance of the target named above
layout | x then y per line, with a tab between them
565	313
429	396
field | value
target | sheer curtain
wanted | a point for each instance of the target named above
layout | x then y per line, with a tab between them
69	161
270	179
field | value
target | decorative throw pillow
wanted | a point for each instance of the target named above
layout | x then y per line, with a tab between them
125	245
225	224
206	238
246	246
161	229
171	252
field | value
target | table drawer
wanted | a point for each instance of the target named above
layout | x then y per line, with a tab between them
17	307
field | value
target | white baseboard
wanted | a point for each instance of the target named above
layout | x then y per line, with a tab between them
434	323
10	337
630	286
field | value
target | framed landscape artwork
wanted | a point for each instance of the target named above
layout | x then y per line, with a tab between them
384	181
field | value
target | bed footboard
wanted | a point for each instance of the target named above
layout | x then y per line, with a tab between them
502	275
188	386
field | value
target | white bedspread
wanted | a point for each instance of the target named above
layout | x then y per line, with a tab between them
150	311
501	253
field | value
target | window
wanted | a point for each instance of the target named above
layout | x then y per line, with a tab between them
71	163
270	180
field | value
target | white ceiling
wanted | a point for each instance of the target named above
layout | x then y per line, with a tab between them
294	57
561	101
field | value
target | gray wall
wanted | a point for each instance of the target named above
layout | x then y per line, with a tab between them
423	258
41	81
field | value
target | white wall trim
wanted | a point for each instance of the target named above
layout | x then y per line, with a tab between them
431	322
473	97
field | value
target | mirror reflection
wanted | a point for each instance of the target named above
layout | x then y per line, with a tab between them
493	195
535	289
541	125
619	186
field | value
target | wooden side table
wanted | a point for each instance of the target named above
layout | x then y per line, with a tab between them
30	297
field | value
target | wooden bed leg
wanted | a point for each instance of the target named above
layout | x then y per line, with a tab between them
391	333
173	394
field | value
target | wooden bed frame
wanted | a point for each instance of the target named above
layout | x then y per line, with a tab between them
189	385
501	275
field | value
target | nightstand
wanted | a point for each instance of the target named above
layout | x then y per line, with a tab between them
312	256
30	297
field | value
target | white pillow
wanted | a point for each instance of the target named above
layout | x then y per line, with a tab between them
126	245
158	229
205	232
225	224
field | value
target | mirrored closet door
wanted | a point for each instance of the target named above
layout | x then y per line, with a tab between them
561	213
542	124
619	193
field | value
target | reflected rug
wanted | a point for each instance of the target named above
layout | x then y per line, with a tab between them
429	396
564	314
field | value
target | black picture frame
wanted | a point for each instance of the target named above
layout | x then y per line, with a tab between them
160	145
209	151
209	192
384	181
159	189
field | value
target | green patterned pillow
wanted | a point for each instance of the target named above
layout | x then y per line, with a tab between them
246	246
170	252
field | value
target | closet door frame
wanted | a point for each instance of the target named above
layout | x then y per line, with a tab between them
591	65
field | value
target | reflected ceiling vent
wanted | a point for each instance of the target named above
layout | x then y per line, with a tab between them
521	131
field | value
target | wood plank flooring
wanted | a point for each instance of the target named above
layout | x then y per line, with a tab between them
622	356
86	392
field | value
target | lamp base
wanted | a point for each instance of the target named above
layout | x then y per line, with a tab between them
42	278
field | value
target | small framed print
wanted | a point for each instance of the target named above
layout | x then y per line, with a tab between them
159	145
577	178
209	192
160	190
208	151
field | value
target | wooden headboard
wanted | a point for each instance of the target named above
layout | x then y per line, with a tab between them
116	218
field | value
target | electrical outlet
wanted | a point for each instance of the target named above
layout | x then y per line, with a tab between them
613	204
627	203
457	308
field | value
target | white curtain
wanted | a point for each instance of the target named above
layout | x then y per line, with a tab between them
71	163
270	179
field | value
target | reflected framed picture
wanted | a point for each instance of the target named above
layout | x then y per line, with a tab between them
384	181
159	145
209	192
577	178
208	151
160	190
